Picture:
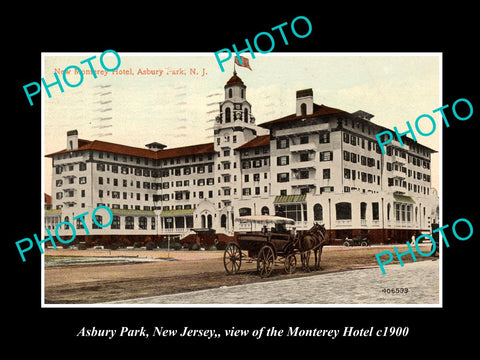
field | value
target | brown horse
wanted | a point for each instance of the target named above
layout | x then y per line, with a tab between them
312	239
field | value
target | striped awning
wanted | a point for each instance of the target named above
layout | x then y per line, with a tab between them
290	199
176	212
404	198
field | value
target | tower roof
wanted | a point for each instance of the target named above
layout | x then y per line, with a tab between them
234	80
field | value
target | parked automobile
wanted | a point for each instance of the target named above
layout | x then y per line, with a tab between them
358	240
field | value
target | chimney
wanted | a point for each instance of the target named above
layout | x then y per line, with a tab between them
304	102
72	140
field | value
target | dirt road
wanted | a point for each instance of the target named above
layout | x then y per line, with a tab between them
183	271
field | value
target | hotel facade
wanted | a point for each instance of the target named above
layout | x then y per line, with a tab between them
319	164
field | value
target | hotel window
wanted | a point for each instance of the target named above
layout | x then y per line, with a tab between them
282	143
129	223
246	191
100	167
257	190
346	138
257	163
324	138
303	139
304	157
227	114
375	212
292	211
343	211
142	223
326	173
256	177
346	173
326	189
283	177
326	156
83	167
116	222
59	183
303	174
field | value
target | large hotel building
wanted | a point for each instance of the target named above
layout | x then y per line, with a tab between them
319	164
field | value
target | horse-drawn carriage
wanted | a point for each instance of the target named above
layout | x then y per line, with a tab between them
270	245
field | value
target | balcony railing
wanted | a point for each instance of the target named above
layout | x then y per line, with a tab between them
310	164
302	147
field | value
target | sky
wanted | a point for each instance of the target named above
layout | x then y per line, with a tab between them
176	105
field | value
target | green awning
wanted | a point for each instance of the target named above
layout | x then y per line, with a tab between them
290	199
176	212
404	198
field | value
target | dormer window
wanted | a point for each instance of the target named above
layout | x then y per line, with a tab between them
303	109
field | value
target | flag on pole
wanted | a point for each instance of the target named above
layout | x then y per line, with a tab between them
244	63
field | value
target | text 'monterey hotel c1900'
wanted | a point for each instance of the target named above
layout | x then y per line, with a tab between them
319	164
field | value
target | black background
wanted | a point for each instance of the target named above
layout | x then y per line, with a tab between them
207	28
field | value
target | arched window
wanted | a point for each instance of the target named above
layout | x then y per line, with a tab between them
228	115
209	221
303	109
142	223
343	211
265	210
99	220
229	93
204	222
66	220
245	115
129	223
388	211
363	210
116	222
79	223
317	212
223	221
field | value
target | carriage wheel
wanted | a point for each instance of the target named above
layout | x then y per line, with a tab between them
265	261
290	264
232	258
